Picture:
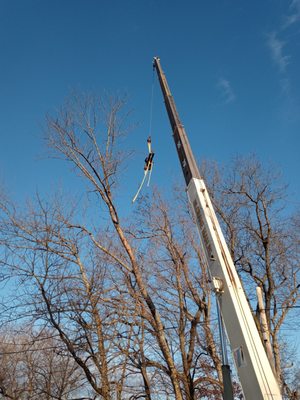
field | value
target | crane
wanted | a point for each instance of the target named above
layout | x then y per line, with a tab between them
252	364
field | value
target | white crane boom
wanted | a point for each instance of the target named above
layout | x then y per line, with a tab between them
253	367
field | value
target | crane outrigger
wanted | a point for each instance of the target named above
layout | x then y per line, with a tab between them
253	366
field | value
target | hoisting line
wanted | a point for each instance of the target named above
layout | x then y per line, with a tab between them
150	124
149	159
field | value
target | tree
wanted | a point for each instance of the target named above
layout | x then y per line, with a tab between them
95	286
263	238
33	367
179	285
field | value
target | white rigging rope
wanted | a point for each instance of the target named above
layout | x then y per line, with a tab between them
140	187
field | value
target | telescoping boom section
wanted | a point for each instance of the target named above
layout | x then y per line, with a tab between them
253	367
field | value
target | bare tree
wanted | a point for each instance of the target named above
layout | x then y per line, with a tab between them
181	288
263	236
33	367
91	283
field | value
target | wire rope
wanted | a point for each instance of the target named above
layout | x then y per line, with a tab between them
149	162
151	104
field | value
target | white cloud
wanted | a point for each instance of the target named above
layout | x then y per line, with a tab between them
294	15
276	46
228	94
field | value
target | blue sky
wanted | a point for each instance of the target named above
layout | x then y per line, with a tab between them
233	68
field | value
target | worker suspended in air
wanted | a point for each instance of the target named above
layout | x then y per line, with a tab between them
147	168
